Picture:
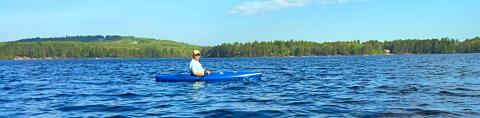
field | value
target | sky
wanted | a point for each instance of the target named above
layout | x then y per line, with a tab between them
212	22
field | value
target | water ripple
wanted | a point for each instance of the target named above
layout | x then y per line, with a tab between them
339	86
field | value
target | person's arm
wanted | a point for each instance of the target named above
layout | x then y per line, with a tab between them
200	73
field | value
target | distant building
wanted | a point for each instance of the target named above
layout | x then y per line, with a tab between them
22	58
387	51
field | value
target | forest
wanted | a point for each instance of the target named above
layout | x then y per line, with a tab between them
99	46
94	47
355	47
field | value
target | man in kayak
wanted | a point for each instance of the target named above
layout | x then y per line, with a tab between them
195	66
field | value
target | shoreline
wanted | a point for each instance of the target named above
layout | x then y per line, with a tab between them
108	58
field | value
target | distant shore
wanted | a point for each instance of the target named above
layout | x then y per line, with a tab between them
106	58
135	47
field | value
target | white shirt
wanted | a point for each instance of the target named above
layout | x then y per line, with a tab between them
195	66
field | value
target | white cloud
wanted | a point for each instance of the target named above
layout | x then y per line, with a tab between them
254	8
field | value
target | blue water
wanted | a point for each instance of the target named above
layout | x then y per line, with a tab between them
345	86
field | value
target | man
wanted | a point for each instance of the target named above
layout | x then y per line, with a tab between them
195	66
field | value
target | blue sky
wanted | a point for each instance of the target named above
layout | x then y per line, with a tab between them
210	22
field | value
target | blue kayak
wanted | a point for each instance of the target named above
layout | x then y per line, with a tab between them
225	76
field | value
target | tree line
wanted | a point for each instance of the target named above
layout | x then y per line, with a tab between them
94	38
94	46
134	47
371	47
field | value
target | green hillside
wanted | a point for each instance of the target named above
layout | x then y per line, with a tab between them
94	46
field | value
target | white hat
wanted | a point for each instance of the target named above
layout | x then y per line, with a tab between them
196	52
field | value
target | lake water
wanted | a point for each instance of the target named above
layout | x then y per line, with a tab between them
446	85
